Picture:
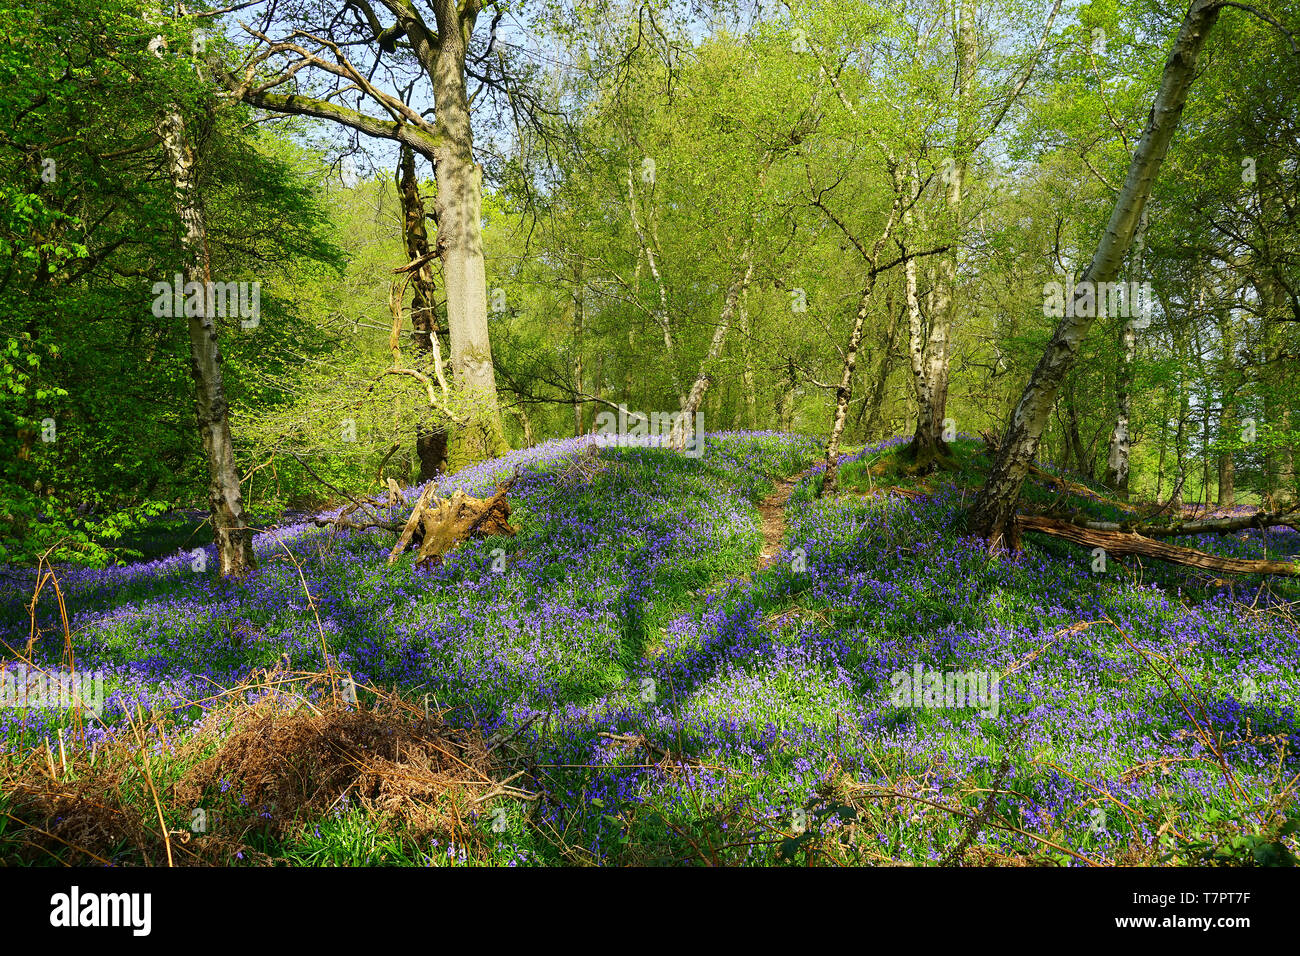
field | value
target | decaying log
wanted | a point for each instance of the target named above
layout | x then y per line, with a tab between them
1228	525
1120	544
459	518
412	523
394	494
437	527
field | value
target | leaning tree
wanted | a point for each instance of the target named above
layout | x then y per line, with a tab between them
994	511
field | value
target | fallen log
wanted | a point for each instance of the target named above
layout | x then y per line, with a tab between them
1259	520
1121	544
343	521
434	527
1288	518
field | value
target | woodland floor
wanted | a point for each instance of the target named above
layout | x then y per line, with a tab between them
675	661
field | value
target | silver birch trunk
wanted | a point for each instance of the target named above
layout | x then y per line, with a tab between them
994	511
830	478
686	421
233	537
1117	455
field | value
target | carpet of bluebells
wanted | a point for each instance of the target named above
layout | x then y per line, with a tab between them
679	706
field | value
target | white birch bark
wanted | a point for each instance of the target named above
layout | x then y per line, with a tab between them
994	511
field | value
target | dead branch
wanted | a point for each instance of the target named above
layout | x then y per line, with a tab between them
1119	544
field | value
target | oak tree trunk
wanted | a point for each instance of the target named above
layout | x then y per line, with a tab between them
459	213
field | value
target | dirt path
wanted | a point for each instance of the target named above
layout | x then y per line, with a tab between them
772	511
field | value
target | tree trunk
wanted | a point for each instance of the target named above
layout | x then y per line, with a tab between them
1279	461
1073	438
1227	470
785	398
830	479
1117	456
876	400
686	421
449	144
1184	412
1164	443
932	381
459	207
1207	440
751	392
430	438
1229	385
994	511
928	343
579	317
931	358
233	538
526	423
1120	544
663	314
1286	471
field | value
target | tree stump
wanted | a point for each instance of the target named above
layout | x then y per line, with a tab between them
437	527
